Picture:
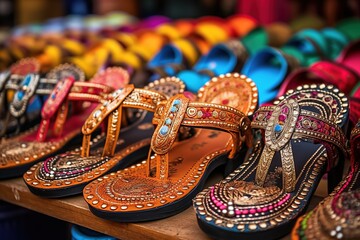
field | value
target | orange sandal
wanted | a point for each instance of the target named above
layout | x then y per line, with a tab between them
66	174
53	134
176	170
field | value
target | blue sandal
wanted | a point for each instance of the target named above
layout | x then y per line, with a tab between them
223	58
268	68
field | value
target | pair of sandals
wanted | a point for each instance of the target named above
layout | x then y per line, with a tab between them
310	45
191	139
23	92
68	103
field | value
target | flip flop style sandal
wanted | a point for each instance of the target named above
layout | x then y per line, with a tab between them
337	216
172	58
268	68
175	171
55	134
67	174
223	58
336	39
327	72
309	45
302	137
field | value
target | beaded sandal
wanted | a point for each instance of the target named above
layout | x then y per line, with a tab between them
10	78
302	137
24	110
69	102
66	174
176	170
337	216
225	57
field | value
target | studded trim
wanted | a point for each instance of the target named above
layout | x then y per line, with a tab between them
239	204
337	216
159	182
79	91
71	169
23	95
112	108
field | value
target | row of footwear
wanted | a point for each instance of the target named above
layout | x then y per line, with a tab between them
275	161
144	153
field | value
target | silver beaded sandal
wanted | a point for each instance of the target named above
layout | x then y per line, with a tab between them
302	136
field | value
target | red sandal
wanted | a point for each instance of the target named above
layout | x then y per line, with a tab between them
337	216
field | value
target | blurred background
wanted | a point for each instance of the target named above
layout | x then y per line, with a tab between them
18	12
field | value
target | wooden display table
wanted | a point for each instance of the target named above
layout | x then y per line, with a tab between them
75	210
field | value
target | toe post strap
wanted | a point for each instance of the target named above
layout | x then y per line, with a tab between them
288	121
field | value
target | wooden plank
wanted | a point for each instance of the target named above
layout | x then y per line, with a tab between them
75	210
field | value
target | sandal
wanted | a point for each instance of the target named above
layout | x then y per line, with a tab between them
302	137
222	58
52	137
172	58
274	35
176	170
24	109
67	174
16	71
350	56
337	216
308	46
327	72
336	39
268	68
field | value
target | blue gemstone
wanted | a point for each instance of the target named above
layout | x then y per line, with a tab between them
53	96
278	128
168	121
20	95
176	102
173	109
27	79
164	130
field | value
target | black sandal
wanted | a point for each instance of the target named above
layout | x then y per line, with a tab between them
302	137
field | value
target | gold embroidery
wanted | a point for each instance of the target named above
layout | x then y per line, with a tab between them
278	133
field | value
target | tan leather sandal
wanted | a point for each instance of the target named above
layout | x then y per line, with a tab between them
176	170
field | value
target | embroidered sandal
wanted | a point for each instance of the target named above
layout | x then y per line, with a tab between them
337	216
302	137
68	103
66	174
176	170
